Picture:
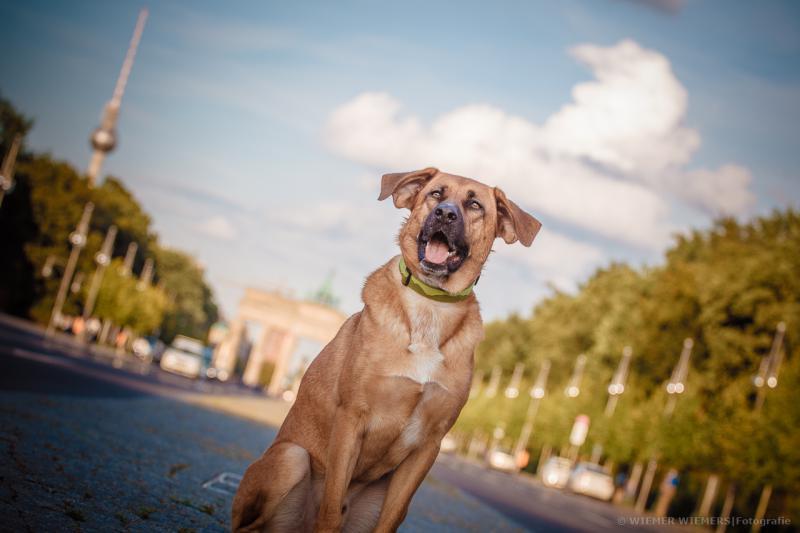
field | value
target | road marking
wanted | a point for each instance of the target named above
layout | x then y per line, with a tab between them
225	483
40	357
600	520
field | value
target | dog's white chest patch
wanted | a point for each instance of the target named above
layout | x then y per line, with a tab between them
424	358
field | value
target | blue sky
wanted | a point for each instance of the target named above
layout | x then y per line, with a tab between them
256	133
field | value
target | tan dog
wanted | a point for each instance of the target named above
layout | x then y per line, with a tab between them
374	405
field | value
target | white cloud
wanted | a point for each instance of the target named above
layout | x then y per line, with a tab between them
607	162
725	190
630	117
218	227
554	257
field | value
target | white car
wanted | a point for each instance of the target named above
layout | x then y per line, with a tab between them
142	349
502	460
590	479
185	357
555	472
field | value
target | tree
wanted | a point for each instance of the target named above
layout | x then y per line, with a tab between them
726	288
44	210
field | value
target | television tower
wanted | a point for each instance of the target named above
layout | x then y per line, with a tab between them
104	138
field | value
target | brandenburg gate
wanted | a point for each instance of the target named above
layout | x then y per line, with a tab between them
284	321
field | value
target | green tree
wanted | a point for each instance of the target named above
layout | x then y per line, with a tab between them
43	211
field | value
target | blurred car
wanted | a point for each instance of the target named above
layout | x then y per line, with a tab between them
186	357
157	347
592	480
555	472
142	349
502	460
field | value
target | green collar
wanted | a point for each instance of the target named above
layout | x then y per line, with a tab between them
427	291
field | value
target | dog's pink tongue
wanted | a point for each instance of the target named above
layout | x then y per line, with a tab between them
436	252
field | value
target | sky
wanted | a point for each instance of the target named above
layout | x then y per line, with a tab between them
256	133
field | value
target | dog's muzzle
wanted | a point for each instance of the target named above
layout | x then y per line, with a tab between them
441	244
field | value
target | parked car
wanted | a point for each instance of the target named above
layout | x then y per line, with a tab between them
502	460
592	480
142	349
186	356
555	472
157	347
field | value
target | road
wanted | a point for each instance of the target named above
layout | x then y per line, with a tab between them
536	507
113	374
76	422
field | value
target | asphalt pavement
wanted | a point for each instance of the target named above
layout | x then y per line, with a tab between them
91	441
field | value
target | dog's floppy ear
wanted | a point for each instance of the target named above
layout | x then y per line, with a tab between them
513	223
404	186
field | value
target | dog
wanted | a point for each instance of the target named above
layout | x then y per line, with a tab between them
374	405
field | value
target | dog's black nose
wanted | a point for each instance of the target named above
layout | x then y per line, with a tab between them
447	213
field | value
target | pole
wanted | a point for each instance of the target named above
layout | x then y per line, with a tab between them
727	507
769	368
547	450
103	258
7	170
130	255
147	275
761	510
677	383
536	394
632	484
709	496
574	387
494	382
78	240
617	385
512	391
647	482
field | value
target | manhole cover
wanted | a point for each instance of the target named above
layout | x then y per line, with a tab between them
225	483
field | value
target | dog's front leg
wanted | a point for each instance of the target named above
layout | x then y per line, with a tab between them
343	450
405	481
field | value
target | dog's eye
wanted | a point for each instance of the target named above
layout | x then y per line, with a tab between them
474	204
436	194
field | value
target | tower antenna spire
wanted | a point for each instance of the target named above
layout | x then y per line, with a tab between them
104	138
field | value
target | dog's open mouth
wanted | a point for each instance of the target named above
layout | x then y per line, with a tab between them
438	255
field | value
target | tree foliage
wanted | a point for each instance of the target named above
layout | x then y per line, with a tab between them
38	217
727	288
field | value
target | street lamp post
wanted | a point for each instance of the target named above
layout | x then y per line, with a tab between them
677	383
512	391
617	385
574	387
130	255
767	375
78	240
147	275
7	169
494	382
103	258
770	367
536	394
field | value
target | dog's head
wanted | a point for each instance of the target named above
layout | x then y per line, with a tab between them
453	222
